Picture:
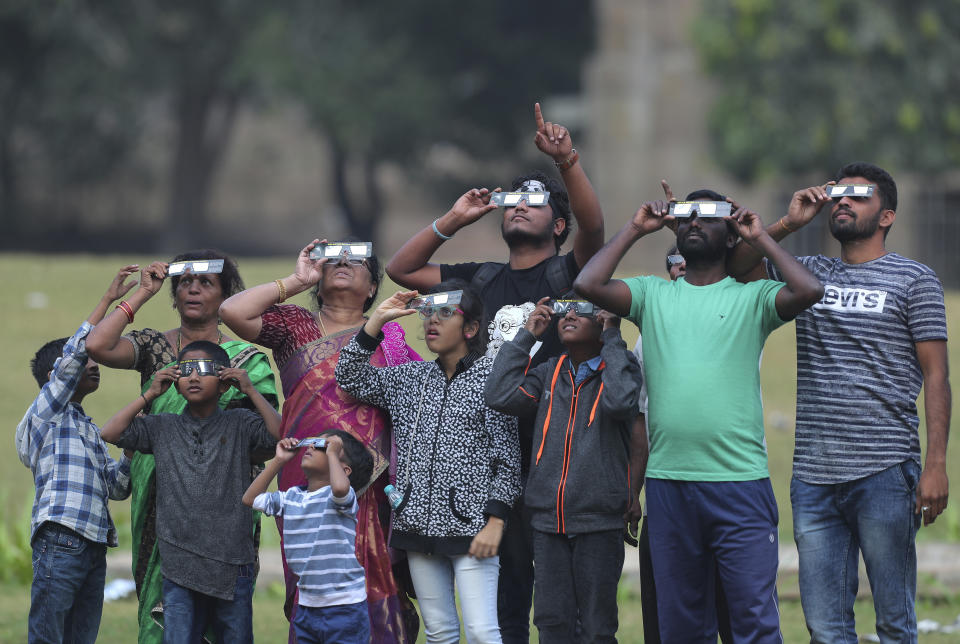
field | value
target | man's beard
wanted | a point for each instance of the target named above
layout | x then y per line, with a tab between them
699	254
853	230
520	237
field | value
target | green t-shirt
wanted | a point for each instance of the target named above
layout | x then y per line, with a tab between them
701	354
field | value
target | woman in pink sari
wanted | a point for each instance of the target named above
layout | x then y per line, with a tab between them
306	347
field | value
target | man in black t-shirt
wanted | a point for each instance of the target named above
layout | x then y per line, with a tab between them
535	269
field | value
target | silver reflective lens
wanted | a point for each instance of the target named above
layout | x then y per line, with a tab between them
315	443
202	367
509	199
673	260
581	308
850	190
196	266
702	208
346	250
445	298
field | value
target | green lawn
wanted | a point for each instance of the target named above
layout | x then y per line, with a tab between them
47	297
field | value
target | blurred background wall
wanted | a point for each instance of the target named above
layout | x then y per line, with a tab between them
147	126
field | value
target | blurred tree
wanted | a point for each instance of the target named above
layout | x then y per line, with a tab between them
820	83
386	81
59	106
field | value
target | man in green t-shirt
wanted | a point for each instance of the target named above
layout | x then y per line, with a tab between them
708	487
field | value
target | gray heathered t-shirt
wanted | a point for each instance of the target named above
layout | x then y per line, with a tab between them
203	468
858	377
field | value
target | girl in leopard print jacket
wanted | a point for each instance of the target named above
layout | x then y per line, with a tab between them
458	461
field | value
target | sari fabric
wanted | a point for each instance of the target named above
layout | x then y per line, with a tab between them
154	353
313	403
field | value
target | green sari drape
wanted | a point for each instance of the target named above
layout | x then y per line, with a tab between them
143	510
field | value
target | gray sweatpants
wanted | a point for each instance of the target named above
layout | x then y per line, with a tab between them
576	577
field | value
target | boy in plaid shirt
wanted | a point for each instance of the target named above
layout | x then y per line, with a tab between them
74	475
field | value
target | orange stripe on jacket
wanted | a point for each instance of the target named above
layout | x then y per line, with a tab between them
546	422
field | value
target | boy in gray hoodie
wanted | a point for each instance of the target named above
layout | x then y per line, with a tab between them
578	488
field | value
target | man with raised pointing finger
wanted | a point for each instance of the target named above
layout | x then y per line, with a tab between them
534	234
863	353
708	488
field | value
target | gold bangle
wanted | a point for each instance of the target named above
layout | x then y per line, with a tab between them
283	291
785	227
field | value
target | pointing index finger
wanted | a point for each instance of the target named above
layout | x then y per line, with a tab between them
666	190
538	115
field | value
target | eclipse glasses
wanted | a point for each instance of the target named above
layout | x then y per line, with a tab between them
443	304
315	443
358	251
685	209
195	266
580	308
861	190
202	367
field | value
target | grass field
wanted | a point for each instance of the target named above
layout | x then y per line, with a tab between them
48	297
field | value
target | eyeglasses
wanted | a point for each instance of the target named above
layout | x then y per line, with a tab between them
202	367
444	312
510	199
685	209
315	443
580	308
856	191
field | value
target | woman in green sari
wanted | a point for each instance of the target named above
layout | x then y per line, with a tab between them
197	299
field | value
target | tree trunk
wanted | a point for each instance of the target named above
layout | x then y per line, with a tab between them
361	215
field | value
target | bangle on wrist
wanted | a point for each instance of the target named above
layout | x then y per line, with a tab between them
437	232
785	226
146	403
568	163
127	310
282	295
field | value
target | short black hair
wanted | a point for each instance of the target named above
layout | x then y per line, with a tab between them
376	276
230	280
213	350
673	251
356	456
705	194
472	307
45	358
886	186
559	201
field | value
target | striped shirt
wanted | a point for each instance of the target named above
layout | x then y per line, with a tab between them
72	469
858	377
319	531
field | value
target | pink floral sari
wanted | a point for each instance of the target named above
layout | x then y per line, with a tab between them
314	403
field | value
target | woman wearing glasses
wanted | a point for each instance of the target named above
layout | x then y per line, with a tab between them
458	461
306	345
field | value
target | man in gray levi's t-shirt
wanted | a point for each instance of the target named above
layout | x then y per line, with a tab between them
863	353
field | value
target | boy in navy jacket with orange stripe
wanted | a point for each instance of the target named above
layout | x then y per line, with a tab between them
578	488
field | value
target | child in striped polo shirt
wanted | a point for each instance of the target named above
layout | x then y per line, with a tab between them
319	528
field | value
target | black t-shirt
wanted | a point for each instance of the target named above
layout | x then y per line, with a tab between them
508	299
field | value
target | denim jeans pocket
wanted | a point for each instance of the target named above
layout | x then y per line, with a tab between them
909	474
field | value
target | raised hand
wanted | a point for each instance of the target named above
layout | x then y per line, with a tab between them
118	288
236	377
309	271
805	204
551	138
395	306
608	320
653	215
471	206
539	319
162	381
151	278
745	223
286	449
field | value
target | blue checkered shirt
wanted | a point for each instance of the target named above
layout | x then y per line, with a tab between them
72	470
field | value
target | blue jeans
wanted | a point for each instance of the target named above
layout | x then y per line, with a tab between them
66	596
832	525
343	624
476	581
187	613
